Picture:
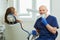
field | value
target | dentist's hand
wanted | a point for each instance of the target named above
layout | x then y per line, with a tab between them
44	21
34	32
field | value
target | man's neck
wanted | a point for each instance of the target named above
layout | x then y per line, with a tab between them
47	15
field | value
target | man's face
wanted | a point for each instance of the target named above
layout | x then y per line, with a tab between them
42	10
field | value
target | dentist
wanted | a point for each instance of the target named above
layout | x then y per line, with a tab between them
46	25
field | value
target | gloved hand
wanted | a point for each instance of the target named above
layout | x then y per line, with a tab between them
34	32
44	21
35	35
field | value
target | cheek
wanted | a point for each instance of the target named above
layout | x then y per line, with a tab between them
15	14
45	11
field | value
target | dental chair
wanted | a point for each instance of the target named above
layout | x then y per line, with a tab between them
2	29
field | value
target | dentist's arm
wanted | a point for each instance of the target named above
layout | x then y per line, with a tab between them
49	27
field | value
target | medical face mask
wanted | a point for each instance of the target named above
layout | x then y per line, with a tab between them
43	15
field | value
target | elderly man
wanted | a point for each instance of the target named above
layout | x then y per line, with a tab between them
46	25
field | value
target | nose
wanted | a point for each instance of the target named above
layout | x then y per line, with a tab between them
41	12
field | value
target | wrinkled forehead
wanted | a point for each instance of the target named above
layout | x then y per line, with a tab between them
42	7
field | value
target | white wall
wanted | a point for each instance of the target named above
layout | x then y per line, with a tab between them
3	5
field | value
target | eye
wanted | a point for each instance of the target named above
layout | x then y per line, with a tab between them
40	10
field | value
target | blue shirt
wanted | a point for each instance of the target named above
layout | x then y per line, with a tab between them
51	20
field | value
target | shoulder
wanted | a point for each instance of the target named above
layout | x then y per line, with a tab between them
39	19
53	17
